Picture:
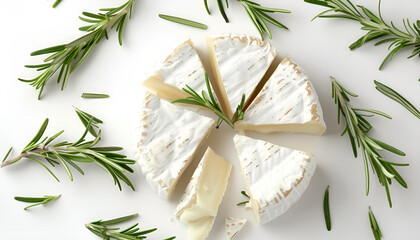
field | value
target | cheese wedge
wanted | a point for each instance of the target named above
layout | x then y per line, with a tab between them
182	67
275	176
200	203
233	226
168	139
287	103
239	63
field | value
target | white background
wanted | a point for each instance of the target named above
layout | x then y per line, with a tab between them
320	47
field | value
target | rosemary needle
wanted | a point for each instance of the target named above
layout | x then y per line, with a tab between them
7	154
37	200
56	3
327	208
377	234
94	95
85	118
391	93
183	21
244	202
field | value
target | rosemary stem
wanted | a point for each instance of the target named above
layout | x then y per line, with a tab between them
28	153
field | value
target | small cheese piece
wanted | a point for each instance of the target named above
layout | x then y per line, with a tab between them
200	203
168	139
233	226
287	103
275	176
183	67
239	63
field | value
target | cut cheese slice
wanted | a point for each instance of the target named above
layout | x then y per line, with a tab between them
233	226
275	176
183	67
200	203
239	63
287	103
168	139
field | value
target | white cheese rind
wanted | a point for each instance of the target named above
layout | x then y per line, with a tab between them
182	67
168	138
199	205
239	63
287	103
233	226
275	176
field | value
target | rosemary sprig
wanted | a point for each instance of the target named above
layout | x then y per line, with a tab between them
357	128
258	16
68	154
327	215
183	21
94	95
374	225
212	104
67	57
391	93
37	200
244	202
375	26
103	230
56	3
85	118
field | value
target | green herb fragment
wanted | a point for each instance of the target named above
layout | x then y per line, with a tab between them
391	93
183	21
94	95
374	225
258	16
103	230
212	104
67	57
56	3
7	154
327	208
37	200
85	118
375	26
69	154
245	202
357	128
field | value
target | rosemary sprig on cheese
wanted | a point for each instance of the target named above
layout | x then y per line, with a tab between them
257	14
392	94
377	234
37	200
183	21
208	101
244	202
327	215
66	58
104	230
375	26
357	128
69	154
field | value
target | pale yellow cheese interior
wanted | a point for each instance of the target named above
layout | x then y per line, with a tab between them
163	90
218	77
211	186
314	127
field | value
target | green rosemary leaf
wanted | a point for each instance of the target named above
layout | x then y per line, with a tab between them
242	203
327	208
117	220
357	128
207	7
183	21
375	26
37	200
374	225
56	3
391	93
94	95
222	10
7	154
85	119
245	194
